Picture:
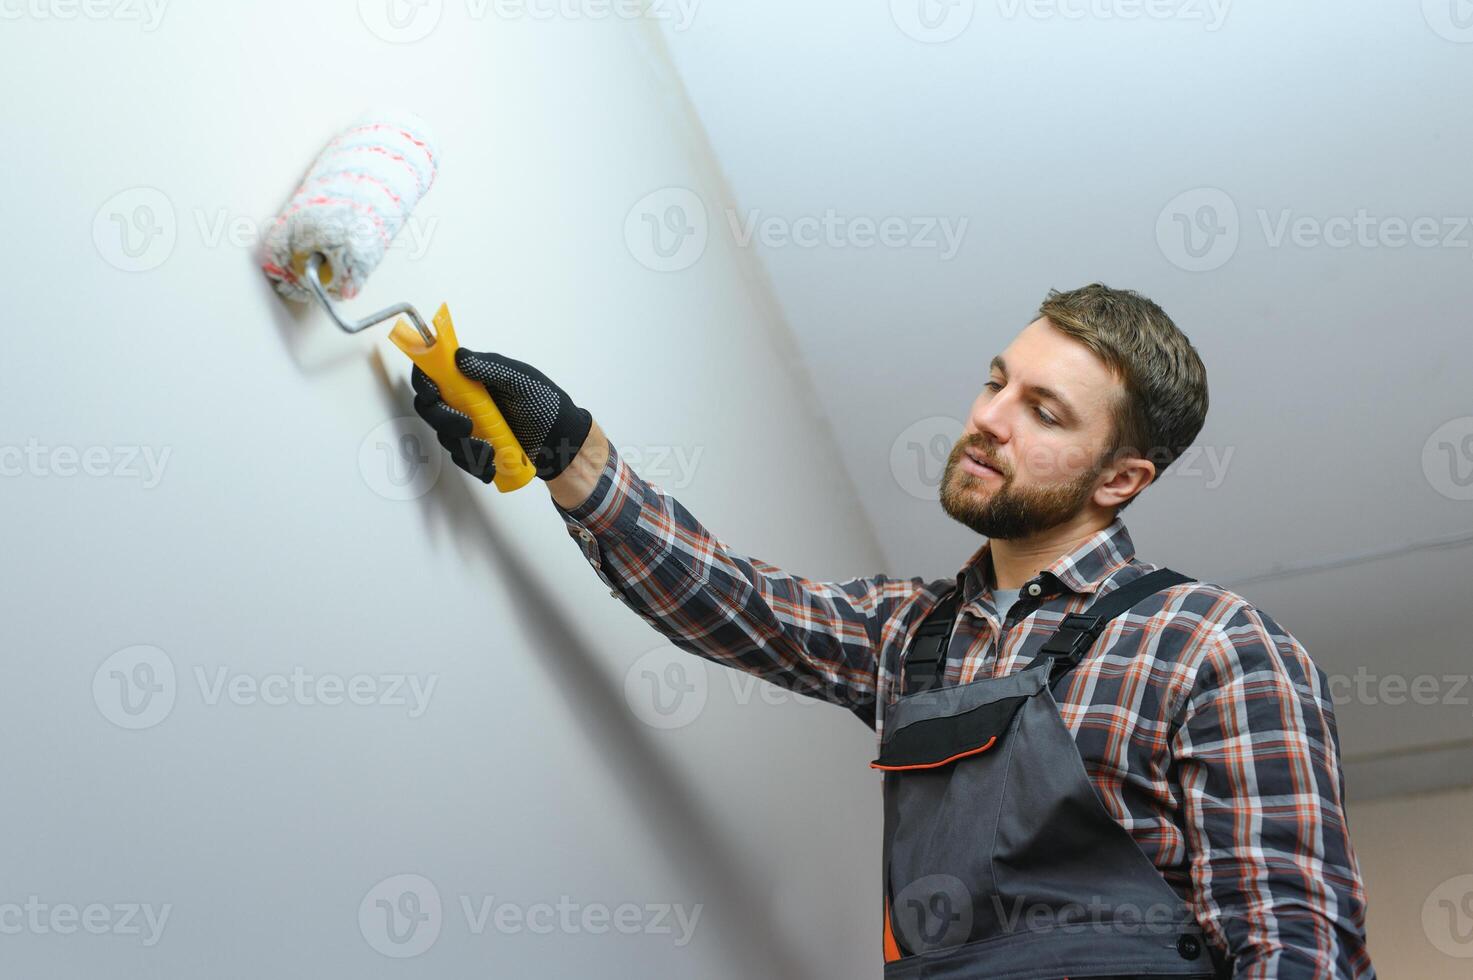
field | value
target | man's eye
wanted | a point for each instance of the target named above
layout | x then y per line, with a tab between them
993	385
1044	417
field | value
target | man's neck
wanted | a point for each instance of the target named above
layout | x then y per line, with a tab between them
1017	560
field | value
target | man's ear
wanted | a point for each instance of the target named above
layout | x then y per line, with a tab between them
1123	479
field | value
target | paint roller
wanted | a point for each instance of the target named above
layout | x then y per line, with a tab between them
336	229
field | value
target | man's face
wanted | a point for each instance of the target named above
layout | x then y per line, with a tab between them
1031	454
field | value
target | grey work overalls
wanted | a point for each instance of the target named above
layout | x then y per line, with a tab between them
1000	861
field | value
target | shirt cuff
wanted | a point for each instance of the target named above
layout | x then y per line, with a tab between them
612	509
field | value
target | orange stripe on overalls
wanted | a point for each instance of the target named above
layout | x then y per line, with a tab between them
892	950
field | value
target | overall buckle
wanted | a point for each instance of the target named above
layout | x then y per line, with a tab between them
1075	635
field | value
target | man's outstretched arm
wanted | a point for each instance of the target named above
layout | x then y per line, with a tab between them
821	639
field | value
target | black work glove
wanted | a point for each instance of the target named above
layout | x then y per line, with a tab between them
544	419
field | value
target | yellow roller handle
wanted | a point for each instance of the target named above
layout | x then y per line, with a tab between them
513	469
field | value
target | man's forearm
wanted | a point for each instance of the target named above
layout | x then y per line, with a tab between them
817	638
573	485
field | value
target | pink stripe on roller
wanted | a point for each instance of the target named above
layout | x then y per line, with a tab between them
352	175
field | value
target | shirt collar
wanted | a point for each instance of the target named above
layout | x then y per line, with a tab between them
1082	570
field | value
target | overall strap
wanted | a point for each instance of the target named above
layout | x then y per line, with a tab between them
922	664
1078	632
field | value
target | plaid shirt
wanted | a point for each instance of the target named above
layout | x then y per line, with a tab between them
1204	726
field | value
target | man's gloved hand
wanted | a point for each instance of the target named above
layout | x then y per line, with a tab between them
544	419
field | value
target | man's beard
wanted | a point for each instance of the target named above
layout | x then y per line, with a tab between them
1009	512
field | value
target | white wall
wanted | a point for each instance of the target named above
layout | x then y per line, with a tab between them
265	546
1417	860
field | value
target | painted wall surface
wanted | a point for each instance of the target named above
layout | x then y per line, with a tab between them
1417	861
263	655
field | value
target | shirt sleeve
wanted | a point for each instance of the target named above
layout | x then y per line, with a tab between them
1273	872
820	639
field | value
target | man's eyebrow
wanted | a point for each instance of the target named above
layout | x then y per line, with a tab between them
1042	391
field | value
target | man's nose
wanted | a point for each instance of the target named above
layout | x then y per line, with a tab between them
989	418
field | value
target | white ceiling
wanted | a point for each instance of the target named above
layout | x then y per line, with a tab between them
1064	142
